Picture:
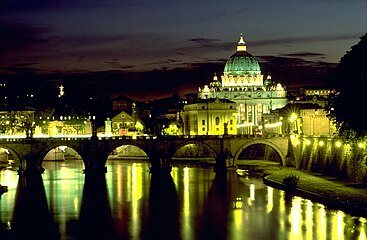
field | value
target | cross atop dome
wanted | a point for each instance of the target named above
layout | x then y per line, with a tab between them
241	46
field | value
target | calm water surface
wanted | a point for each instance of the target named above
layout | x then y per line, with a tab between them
130	203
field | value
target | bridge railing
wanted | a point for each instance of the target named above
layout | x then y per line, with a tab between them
76	138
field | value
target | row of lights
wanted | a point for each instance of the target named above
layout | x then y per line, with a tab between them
321	143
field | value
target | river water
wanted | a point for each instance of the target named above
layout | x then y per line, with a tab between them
128	202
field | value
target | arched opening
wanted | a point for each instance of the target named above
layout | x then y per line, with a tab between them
128	167
194	154
128	152
8	160
62	153
63	158
258	152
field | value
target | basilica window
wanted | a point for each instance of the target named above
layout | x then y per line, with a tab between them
217	121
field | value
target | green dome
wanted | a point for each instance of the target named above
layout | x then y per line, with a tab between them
242	63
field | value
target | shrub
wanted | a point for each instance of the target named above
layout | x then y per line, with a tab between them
290	182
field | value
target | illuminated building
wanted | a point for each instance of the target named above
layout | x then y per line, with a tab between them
243	83
16	122
209	117
122	124
318	96
316	122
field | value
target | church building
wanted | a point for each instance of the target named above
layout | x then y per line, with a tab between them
243	83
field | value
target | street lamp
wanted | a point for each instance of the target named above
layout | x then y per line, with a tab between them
293	119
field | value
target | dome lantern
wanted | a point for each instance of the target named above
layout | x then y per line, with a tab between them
241	46
242	69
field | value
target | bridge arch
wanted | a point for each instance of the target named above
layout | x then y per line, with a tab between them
15	153
264	142
174	148
42	153
116	145
129	146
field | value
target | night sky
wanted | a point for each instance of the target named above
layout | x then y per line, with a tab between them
151	49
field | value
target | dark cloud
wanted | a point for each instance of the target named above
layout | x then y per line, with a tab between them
204	41
296	72
305	54
8	6
305	39
22	68
293	72
16	37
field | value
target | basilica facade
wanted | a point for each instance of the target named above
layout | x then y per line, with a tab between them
243	83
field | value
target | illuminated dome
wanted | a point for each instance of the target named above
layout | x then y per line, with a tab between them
242	69
242	62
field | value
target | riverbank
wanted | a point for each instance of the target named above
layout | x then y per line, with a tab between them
333	193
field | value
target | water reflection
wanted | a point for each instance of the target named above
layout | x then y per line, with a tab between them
161	220
216	208
32	218
95	220
128	202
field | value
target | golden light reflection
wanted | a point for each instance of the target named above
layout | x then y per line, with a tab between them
362	231
174	174
321	227
338	233
252	192
10	181
269	204
186	181
238	218
252	195
296	218
282	209
186	205
136	194
119	184
76	204
309	220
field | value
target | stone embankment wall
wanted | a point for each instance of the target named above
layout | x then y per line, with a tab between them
331	156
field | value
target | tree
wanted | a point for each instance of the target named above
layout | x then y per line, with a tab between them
42	118
346	106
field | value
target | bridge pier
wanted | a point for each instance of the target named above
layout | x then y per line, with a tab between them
160	162
223	161
94	157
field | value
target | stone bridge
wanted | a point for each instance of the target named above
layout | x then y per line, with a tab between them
94	151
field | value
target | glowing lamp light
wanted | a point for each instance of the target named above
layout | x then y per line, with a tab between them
272	125
361	145
308	142
338	144
237	204
321	143
62	148
245	125
293	117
